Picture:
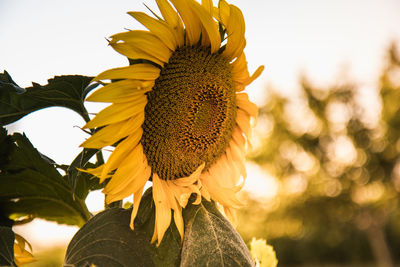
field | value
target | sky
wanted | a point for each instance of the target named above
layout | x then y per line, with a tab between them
321	38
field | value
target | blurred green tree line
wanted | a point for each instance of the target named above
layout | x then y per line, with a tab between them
336	158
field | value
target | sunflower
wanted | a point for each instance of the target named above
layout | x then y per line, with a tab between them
178	116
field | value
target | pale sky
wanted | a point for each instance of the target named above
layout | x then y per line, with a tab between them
322	38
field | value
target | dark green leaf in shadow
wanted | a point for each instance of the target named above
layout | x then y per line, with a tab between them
82	183
86	182
6	246
7	81
31	185
64	91
107	240
210	239
6	145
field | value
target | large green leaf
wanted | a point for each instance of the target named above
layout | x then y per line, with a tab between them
6	246
31	185
107	240
65	91
210	240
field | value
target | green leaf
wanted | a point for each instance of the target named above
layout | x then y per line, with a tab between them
6	246
64	91
210	240
31	185
86	182
6	145
107	240
82	182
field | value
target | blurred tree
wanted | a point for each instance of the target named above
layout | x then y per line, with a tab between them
336	157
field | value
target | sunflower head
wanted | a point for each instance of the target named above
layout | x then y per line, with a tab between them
193	102
178	115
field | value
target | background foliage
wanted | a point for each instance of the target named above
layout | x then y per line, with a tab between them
337	162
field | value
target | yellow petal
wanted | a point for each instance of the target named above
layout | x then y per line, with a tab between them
238	160
232	168
198	194
208	5
255	75
235	28
190	19
243	120
22	242
169	189
240	72
182	188
210	26
163	209
225	196
112	133
205	193
239	139
145	41
234	179
232	164
117	96
104	137
120	90
186	181
224	175
117	112
140	180
159	28
230	213
137	197
239	87
134	52
180	193
243	102
169	14
136	71
178	219
95	171
172	18
136	184
130	169
215	13
223	12
22	255
121	151
238	149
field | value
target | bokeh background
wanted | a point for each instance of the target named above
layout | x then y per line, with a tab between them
324	173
